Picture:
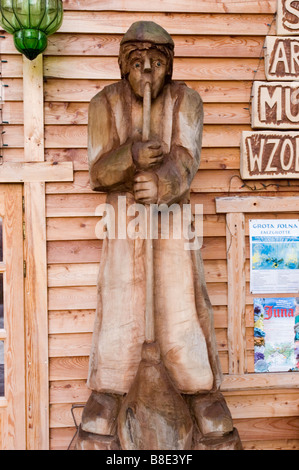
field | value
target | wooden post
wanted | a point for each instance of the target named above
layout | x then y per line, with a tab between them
36	319
236	257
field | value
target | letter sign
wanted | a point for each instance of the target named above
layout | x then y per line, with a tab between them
268	154
275	105
282	58
287	23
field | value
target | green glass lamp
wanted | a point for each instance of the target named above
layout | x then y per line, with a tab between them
30	22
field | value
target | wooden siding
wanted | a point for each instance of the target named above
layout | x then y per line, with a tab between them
219	50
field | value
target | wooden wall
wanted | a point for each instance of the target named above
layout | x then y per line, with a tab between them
219	45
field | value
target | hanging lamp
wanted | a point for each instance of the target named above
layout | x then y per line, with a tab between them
30	22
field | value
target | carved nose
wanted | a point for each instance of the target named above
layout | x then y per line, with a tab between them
147	65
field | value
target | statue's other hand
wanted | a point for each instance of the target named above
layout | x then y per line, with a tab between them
146	187
147	155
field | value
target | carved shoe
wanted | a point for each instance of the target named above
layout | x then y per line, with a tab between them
212	414
100	414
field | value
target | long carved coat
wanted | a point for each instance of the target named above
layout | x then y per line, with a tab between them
183	314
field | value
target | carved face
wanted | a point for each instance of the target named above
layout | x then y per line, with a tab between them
147	66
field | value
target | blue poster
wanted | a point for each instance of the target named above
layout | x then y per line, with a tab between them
274	256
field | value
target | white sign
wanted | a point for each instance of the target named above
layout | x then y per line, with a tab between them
274	256
269	154
275	105
282	58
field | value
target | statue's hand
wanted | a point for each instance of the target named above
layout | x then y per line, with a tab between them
147	155
146	187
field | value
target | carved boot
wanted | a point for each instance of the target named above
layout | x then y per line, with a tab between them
100	414
211	414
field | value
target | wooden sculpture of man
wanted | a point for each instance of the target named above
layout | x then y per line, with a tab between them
157	171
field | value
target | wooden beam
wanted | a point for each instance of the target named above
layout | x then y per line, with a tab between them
23	172
36	302
192	6
266	381
36	305
236	259
33	109
177	23
257	204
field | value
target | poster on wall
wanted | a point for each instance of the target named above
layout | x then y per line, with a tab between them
276	334
274	256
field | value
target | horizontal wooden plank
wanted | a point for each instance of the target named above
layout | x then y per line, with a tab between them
175	23
61	438
205	181
74	251
13	136
63	275
82	90
73	274
76	368
76	391
82	321
257	204
13	154
215	158
77	298
12	172
267	381
85	297
12	112
89	251
66	136
270	406
79	344
72	298
84	205
12	89
187	68
75	136
191	6
73	205
84	228
68	368
65	391
277	444
71	321
108	45
77	113
75	344
268	428
230	181
12	66
263	406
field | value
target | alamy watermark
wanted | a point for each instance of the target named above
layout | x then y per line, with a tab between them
156	221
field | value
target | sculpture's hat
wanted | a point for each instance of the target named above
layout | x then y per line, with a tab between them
148	31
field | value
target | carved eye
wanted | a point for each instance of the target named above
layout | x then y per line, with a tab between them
137	65
158	63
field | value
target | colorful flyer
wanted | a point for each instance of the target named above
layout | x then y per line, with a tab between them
276	334
274	256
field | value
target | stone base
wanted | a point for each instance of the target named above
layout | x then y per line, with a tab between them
88	441
229	441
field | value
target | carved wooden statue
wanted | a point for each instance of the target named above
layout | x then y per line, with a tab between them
154	369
